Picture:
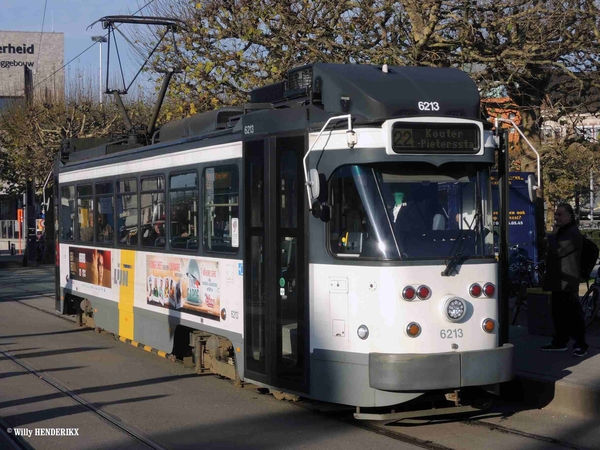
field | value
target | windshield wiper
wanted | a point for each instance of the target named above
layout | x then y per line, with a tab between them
458	256
452	263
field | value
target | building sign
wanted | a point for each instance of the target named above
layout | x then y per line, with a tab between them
43	53
18	49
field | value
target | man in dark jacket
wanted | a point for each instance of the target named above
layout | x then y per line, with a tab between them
563	263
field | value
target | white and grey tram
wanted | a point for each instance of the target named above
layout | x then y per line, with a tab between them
332	238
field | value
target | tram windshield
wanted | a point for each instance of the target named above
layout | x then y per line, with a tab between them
411	211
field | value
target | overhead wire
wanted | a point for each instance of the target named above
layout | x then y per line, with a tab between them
41	34
73	59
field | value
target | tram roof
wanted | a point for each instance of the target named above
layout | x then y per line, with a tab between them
374	94
367	92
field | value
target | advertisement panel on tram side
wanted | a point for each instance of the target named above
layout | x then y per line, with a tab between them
205	291
184	284
202	289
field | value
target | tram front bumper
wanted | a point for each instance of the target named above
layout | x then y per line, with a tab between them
423	372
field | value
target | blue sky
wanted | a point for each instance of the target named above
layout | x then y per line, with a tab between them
72	17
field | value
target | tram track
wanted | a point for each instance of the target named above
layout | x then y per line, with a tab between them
379	428
402	437
512	431
114	421
9	441
385	428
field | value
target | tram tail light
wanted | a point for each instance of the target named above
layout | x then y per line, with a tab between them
475	290
488	325
413	329
423	292
489	289
409	293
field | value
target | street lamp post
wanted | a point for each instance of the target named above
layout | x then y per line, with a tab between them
100	40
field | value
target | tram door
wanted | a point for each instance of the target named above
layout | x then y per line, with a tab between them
275	293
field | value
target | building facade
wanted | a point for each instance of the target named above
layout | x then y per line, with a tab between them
43	53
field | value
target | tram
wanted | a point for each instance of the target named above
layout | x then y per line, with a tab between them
332	238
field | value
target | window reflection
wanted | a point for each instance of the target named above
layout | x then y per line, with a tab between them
127	212
183	203
67	213
221	209
417	211
153	212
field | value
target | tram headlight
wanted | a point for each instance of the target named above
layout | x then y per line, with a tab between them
455	309
363	332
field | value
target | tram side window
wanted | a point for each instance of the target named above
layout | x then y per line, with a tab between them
153	209
183	205
221	209
127	212
85	213
106	213
67	213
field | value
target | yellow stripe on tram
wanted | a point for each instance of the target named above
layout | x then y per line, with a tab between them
124	277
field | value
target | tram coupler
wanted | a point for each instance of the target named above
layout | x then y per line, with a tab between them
422	413
455	396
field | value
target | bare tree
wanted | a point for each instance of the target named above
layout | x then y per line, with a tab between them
31	134
542	54
232	46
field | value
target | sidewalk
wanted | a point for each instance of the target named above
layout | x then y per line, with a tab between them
557	381
7	258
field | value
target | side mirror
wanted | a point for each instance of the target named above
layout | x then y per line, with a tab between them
321	211
315	179
531	187
318	188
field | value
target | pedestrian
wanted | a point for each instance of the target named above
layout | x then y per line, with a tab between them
563	264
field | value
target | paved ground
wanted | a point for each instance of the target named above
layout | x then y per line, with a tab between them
163	400
178	409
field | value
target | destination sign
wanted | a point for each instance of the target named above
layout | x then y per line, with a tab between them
435	138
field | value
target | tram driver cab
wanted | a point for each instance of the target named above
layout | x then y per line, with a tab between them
418	211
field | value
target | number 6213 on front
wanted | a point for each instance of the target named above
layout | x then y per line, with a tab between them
451	333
